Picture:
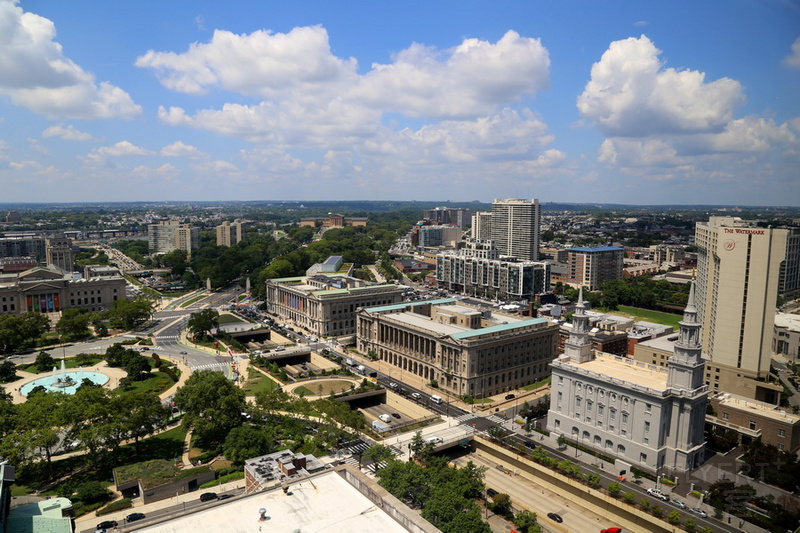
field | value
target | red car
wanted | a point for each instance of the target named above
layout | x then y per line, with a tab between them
611	530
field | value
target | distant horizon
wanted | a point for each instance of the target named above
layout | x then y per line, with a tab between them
431	203
628	103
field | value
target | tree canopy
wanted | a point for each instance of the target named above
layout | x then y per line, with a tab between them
212	405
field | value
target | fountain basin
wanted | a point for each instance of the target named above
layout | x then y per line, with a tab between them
52	384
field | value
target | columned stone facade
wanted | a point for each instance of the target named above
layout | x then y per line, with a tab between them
465	350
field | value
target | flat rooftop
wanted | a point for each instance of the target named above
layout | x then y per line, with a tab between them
764	409
665	343
323	503
423	322
624	369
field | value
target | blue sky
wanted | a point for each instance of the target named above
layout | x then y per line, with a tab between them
575	101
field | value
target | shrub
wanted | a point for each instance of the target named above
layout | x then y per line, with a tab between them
92	491
118	505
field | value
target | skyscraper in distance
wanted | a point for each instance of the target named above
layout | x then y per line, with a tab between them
515	227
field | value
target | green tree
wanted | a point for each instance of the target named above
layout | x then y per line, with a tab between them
527	522
92	491
378	453
674	518
36	431
8	371
44	361
629	497
130	314
145	414
212	405
138	367
614	489
202	322
245	442
501	504
73	324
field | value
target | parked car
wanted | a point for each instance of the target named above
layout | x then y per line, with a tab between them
208	496
392	385
107	524
677	503
655	493
133	517
510	396
491	493
396	415
225	496
555	518
699	512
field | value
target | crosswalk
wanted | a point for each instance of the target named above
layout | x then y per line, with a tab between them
465	418
209	366
168	337
496	419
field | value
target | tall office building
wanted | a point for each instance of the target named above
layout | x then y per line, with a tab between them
515	227
229	233
738	273
58	251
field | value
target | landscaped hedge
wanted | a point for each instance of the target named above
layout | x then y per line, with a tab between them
224	479
118	505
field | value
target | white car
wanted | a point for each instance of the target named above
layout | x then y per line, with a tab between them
679	504
699	512
655	493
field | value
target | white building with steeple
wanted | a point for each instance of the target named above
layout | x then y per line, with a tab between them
643	415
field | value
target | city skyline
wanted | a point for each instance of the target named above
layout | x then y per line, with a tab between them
624	103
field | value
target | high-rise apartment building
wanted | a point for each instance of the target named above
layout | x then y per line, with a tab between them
789	281
229	233
449	215
738	273
591	267
439	235
515	227
482	225
172	235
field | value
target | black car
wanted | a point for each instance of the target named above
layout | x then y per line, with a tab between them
510	396
555	518
108	524
208	496
133	517
529	444
491	493
396	415
225	496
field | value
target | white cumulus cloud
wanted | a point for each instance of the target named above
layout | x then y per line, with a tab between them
120	149
35	73
467	81
179	149
632	94
266	64
68	133
793	59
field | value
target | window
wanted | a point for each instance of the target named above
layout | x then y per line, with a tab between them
780	446
725	416
642	457
620	449
752	424
623	432
600	410
624	418
647	426
781	433
647	407
612	414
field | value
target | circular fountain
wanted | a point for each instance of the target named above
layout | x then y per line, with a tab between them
63	381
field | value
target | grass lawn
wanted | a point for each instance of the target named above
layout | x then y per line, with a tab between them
327	385
69	363
534	386
190	301
256	382
667	319
229	319
157	383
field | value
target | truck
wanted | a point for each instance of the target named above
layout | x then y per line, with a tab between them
349	361
386	418
361	369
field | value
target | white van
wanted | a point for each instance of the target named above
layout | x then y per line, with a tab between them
436	399
386	418
434	440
